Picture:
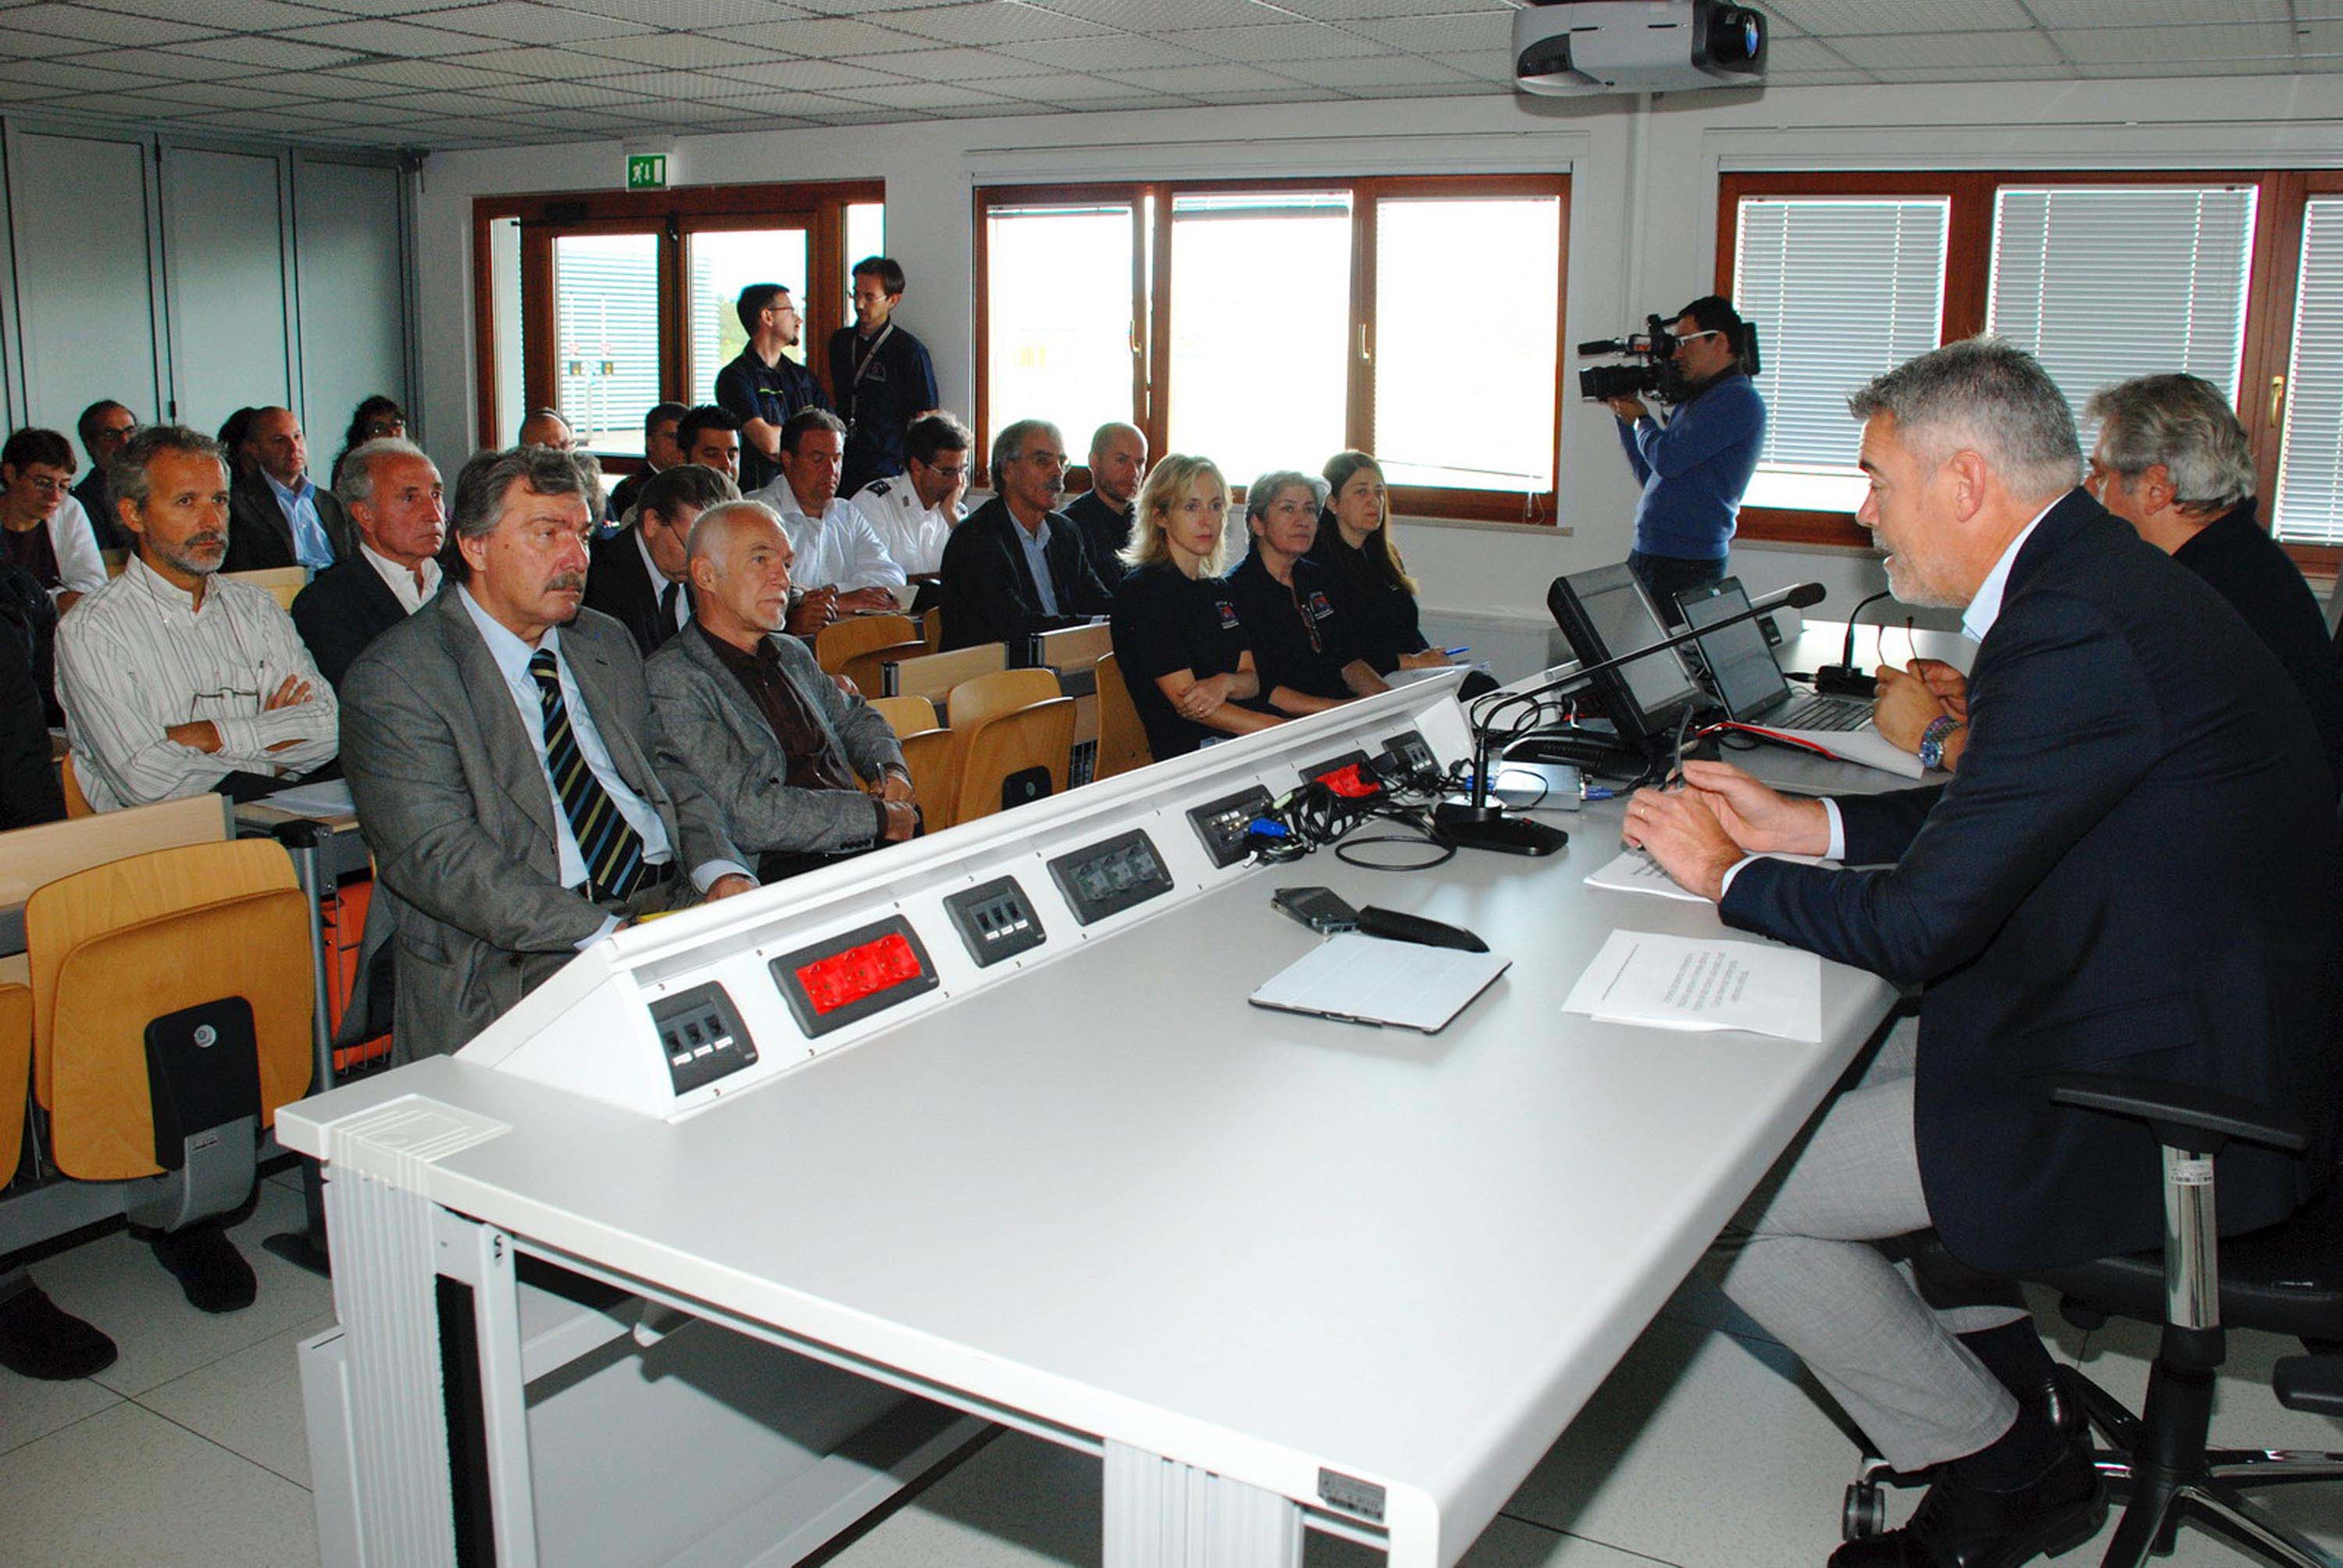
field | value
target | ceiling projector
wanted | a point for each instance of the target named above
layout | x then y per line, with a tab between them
1566	46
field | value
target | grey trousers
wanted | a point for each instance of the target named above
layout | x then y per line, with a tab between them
1810	1277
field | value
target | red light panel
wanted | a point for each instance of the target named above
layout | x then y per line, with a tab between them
843	978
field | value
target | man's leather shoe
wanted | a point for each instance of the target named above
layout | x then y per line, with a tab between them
40	1339
211	1273
1961	1525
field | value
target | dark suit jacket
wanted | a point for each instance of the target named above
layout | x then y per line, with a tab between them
619	585
460	817
104	525
343	609
29	791
988	589
1103	532
2250	569
259	537
2137	870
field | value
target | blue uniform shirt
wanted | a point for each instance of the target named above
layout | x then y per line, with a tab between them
1695	467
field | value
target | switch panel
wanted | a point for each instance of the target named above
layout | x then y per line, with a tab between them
1221	824
1110	876
1409	749
701	1035
854	975
1310	775
996	920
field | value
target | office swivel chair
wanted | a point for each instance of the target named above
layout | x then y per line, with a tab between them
2287	1279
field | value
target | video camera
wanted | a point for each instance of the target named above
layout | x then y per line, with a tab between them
1657	375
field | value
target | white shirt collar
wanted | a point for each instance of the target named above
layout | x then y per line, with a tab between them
400	580
1985	607
796	508
659	580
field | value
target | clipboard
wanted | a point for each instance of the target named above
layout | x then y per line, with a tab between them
1356	978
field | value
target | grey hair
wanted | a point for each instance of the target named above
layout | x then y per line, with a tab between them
713	522
126	476
1012	436
355	488
1276	482
1983	394
489	477
2183	422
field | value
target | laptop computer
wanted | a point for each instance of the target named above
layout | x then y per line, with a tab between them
1605	613
1751	687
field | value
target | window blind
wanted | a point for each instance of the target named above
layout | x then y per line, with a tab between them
2103	282
606	366
2310	458
1840	289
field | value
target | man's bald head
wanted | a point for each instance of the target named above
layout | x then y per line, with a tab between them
277	444
1118	463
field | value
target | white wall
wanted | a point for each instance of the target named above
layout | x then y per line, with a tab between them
1643	226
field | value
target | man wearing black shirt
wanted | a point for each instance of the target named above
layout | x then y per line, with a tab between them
881	375
1101	514
764	385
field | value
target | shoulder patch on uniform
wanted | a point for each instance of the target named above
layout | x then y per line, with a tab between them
876	488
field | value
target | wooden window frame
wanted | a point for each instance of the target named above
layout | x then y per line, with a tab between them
1151	285
673	215
2276	251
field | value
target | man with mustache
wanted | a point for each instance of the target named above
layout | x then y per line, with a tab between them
502	751
174	682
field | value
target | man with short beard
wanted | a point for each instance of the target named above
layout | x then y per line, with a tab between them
174	682
501	748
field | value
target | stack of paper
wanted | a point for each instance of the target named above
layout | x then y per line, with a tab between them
1636	873
1703	983
329	799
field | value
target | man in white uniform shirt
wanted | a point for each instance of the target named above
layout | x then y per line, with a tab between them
840	561
916	510
175	682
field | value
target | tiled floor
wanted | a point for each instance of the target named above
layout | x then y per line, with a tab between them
1705	1450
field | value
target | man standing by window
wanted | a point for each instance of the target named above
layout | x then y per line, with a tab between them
764	385
1695	467
880	374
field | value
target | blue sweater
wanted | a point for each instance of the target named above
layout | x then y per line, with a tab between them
1694	470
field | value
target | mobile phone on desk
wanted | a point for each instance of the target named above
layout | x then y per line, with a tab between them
1316	908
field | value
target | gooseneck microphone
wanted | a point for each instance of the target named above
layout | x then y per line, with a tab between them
1480	823
1846	678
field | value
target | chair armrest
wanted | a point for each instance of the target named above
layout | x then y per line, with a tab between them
2311	1383
2182	1116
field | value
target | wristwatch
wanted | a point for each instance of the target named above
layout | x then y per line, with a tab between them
1932	740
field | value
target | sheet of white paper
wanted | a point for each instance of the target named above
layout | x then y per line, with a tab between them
1636	873
1865	747
1367	979
1703	983
330	798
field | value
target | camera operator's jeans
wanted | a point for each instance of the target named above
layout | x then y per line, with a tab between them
1664	576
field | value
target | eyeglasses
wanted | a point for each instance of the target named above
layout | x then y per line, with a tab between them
1695	337
949	470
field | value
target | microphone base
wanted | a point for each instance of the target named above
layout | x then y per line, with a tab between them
1844	680
1470	826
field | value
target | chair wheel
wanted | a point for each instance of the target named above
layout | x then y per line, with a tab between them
1865	1513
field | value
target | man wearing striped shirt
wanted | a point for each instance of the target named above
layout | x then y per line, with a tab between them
173	681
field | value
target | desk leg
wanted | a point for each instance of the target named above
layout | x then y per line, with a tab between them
1161	1514
307	871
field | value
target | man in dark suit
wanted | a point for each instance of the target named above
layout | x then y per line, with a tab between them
500	746
276	516
2130	737
1016	567
392	494
1101	514
639	578
106	427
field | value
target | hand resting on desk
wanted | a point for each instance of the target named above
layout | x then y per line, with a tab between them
1702	831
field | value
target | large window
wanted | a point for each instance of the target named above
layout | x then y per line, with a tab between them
1268	325
2234	277
603	304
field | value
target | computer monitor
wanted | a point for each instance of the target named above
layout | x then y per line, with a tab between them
1741	666
1605	613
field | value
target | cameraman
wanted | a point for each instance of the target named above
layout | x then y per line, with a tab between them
1695	467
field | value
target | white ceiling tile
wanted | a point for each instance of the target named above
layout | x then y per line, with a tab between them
1105	52
1791	55
426	74
1287	41
989	22
1134	103
1198	79
1845	76
49	79
921	96
690	13
1146	15
682	51
540	63
1428	90
1385	71
1853	18
804	106
1068	88
41	46
2055	14
279	54
567	94
461	104
1938	51
857	8
2059	73
176	64
2252	41
1451	32
521	22
100	26
665	86
824	37
1372	10
241	15
705	112
281	86
387	7
805	76
212	95
2132	70
1486	67
262	120
955	64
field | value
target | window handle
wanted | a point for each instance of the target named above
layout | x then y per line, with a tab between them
2277	399
1365	351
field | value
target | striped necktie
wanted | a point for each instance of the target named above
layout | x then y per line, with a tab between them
612	850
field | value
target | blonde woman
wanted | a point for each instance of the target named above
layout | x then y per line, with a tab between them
1177	637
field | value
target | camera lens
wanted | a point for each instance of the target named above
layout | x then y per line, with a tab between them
1735	35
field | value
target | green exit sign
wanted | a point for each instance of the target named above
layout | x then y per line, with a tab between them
647	171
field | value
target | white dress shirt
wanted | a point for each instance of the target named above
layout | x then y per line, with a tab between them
914	535
839	549
400	581
81	569
137	657
659	581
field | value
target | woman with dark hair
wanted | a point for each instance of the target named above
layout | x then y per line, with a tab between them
1354	545
374	420
234	432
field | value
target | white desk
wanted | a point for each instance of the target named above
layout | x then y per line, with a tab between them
1280	1271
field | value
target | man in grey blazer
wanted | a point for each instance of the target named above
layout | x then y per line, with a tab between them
502	751
772	740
